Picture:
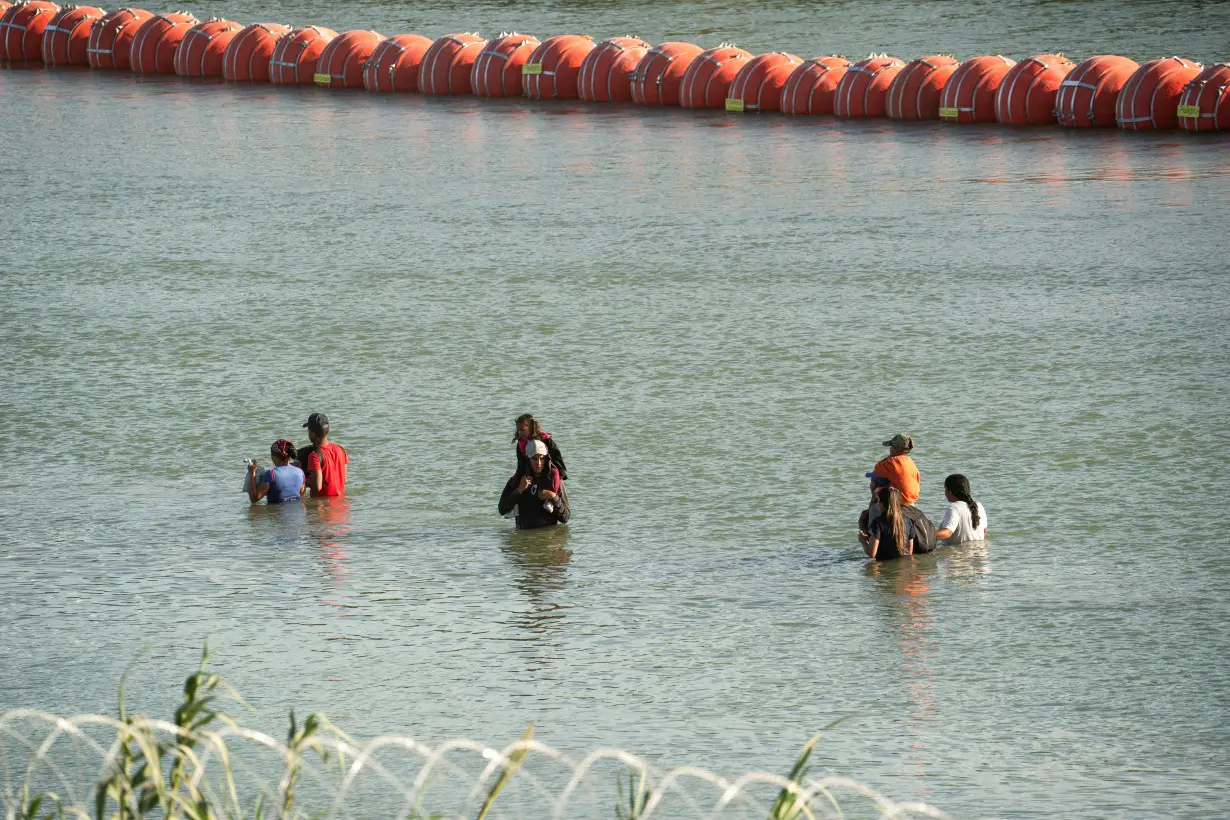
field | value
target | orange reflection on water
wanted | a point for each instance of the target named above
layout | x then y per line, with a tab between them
911	615
329	525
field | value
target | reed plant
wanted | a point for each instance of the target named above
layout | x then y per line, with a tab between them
156	769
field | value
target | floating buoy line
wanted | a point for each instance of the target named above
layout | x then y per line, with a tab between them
1044	89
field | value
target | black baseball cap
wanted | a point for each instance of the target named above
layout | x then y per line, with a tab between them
317	421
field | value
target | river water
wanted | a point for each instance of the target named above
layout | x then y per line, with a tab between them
720	318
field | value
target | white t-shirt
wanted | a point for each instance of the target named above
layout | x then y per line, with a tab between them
957	519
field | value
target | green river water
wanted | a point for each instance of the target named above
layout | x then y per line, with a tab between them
720	318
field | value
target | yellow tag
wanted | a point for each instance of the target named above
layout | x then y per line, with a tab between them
1189	111
734	104
322	79
531	68
950	113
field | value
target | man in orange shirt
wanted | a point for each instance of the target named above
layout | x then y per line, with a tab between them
899	468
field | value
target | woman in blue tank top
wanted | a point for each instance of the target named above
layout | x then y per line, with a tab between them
281	482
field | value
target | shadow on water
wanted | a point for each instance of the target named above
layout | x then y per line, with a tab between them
541	559
278	524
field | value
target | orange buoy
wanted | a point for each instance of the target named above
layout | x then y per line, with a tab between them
605	74
551	71
863	91
1203	104
708	78
111	37
446	67
1150	97
341	63
915	92
67	37
4	6
296	53
811	87
758	85
497	68
22	26
659	74
155	43
201	52
1027	94
247	55
969	94
1087	96
394	65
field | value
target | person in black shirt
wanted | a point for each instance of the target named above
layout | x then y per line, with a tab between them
537	497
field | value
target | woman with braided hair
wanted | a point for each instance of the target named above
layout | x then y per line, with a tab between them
965	519
281	482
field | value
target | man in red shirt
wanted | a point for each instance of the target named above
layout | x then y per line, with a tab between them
325	465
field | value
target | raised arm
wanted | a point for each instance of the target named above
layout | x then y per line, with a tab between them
256	489
512	493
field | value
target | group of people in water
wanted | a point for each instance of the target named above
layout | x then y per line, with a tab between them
535	495
892	526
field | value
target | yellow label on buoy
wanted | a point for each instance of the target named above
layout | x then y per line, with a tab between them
1189	111
531	68
322	79
734	104
949	113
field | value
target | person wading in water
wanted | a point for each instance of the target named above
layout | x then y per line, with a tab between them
892	534
537	497
324	463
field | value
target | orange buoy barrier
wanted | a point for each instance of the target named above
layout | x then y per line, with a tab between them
394	65
497	68
247	54
111	37
295	55
1150	98
708	78
1027	94
4	6
863	91
21	30
758	85
341	63
551	71
155	43
1087	96
67	37
659	74
915	92
1203	104
448	63
969	94
812	85
606	72
201	52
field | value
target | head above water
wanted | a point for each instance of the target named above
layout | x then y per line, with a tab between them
318	427
282	451
536	452
900	444
527	426
956	488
